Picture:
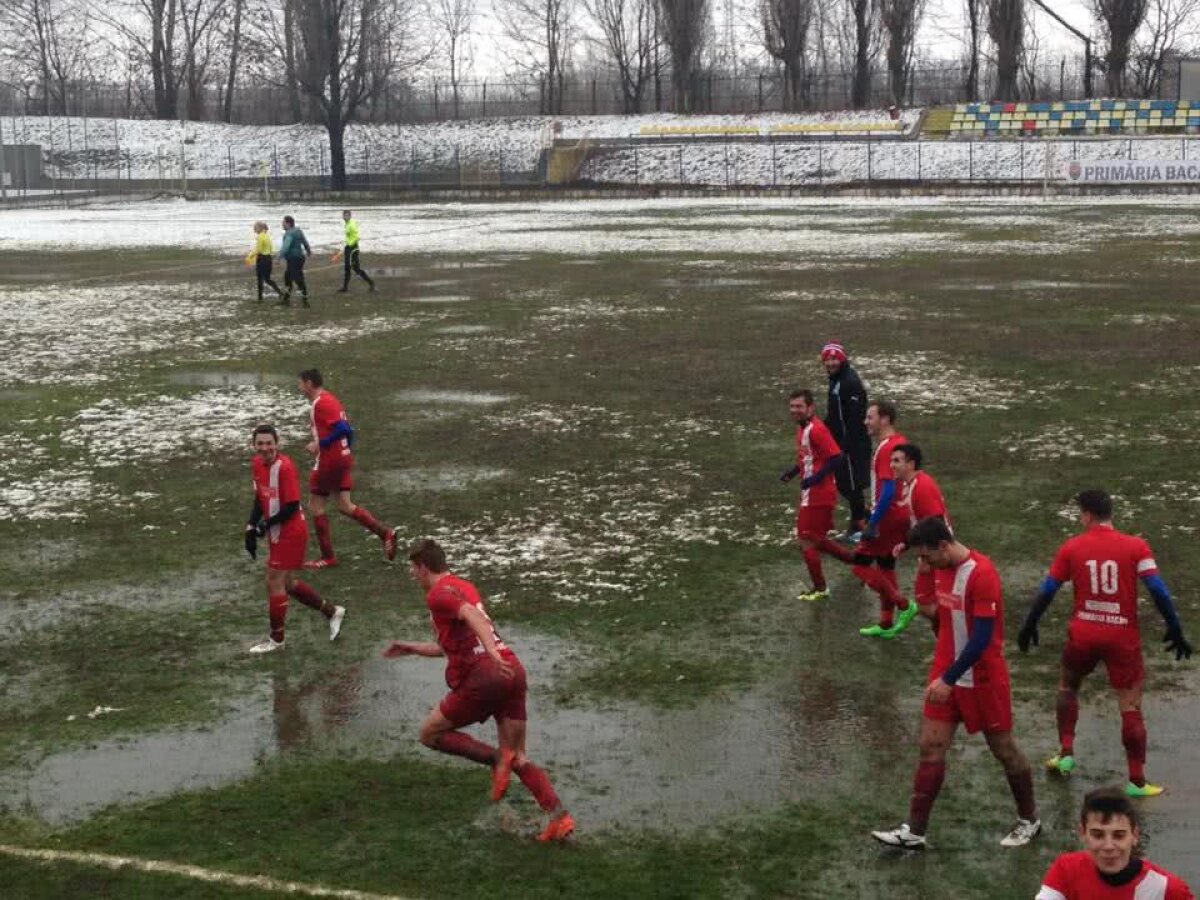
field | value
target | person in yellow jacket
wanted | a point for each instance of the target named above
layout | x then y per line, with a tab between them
263	251
350	254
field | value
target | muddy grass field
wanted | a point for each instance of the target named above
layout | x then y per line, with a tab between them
588	409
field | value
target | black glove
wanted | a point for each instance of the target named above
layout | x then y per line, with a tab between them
1177	643
261	528
1028	635
252	543
789	474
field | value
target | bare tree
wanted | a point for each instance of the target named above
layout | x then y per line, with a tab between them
864	17
235	56
49	41
1031	62
684	26
785	27
453	18
1167	23
900	19
151	29
629	38
199	19
974	15
1006	27
544	32
1120	21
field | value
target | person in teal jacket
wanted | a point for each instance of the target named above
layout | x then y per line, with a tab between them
294	250
350	254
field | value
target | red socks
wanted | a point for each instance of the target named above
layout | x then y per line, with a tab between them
369	522
1066	711
310	598
812	559
459	744
277	609
324	536
1133	736
926	785
539	785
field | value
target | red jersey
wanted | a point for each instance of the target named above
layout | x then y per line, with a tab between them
327	411
815	446
460	644
969	591
1104	565
881	471
921	498
275	485
1074	876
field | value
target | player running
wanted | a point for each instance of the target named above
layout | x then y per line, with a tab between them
293	250
1104	566
277	516
333	471
350	258
968	682
817	458
486	681
264	250
1106	868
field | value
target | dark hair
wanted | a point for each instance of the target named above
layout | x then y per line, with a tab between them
265	429
313	376
1107	802
802	394
428	553
911	452
929	533
1096	502
886	408
288	220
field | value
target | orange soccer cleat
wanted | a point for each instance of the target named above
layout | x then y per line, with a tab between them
559	829
502	774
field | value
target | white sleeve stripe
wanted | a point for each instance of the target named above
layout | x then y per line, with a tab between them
1049	893
1146	565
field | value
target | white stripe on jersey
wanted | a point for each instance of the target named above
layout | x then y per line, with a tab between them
959	617
806	447
1146	565
1049	893
273	502
1153	887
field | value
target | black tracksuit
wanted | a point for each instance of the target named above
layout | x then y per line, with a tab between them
846	417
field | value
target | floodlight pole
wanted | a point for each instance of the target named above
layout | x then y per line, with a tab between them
1087	47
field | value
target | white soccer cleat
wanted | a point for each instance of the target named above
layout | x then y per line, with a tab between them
268	646
335	622
1024	832
900	837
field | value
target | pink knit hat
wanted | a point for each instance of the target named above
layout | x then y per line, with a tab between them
834	350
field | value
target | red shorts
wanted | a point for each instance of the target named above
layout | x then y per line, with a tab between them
814	521
1119	649
335	473
986	708
891	533
289	551
486	692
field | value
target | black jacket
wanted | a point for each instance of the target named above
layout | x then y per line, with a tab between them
846	417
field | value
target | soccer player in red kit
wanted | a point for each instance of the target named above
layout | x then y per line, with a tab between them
486	681
968	682
1107	868
1104	566
333	471
817	458
276	515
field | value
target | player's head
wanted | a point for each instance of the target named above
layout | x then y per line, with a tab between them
1109	828
802	405
311	382
346	214
289	222
906	461
933	540
833	357
266	441
260	227
881	416
1095	507
426	561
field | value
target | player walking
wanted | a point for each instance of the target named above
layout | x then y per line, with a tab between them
968	682
264	250
1104	566
817	458
486	681
276	515
1107	867
333	471
845	416
294	250
350	258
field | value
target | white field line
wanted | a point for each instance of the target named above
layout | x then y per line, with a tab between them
196	873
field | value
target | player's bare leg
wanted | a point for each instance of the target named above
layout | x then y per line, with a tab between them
1066	712
1133	736
363	517
1020	781
511	735
439	733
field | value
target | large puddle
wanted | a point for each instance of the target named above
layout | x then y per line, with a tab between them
457	398
439	478
201	378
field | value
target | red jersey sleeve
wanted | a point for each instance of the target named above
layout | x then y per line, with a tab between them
1146	566
984	592
326	413
1177	889
825	446
1057	882
446	602
1061	568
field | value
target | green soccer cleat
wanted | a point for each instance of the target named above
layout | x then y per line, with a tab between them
904	619
1063	765
1143	790
872	631
814	595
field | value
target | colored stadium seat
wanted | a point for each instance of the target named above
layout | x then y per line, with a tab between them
1075	117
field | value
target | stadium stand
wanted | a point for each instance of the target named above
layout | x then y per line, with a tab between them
1076	117
885	127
